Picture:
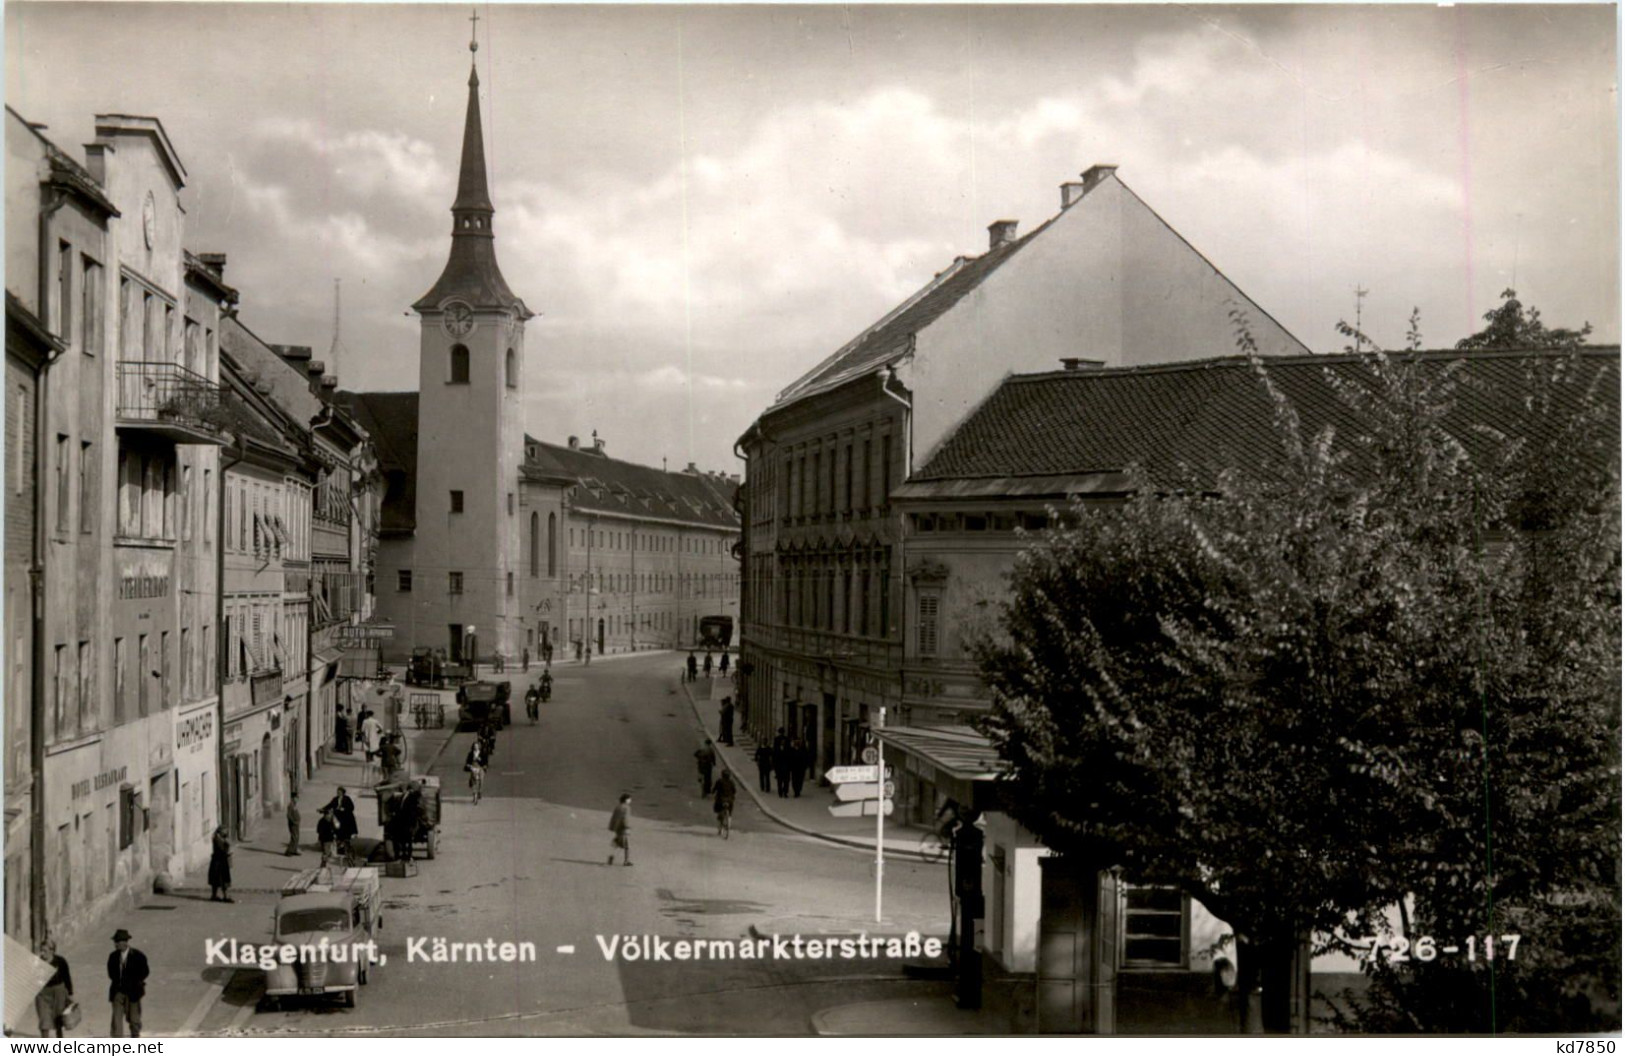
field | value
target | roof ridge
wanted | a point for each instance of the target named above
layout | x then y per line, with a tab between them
1324	358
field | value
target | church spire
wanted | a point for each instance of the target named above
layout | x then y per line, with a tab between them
471	272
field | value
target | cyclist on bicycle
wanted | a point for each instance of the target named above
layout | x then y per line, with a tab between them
545	686
532	699
723	803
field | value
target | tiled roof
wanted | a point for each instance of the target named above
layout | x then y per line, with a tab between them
892	337
1206	416
611	486
391	419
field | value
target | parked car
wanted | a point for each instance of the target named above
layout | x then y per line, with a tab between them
326	909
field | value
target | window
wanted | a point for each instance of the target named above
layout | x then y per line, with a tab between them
403	581
186	663
143	676
459	365
456	502
929	605
207	660
165	701
512	370
208	505
884	629
64	291
833	467
848	506
62	493
59	702
186	502
90	314
85	698
1155	927
510	584
120	701
552	544
885	469
510	504
454	582
87	488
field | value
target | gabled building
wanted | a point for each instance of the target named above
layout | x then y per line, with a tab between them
1105	282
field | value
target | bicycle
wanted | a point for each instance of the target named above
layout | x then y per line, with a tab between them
725	821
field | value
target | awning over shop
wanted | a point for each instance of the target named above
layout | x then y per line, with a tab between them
324	665
360	661
960	762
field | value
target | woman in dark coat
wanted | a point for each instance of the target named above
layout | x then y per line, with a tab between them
220	868
341	733
54	999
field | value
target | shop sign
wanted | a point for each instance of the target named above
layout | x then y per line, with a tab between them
194	731
99	782
143	575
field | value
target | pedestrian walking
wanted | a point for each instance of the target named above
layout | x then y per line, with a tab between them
725	725
693	666
341	731
722	664
220	868
620	823
798	765
706	759
127	984
326	834
389	755
782	763
547	653
372	732
52	1002
524	659
344	826
764	766
723	804
708	663
293	826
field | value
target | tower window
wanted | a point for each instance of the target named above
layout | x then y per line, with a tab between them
459	365
454	582
513	370
403	582
456	502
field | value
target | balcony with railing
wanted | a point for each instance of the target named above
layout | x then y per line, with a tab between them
170	401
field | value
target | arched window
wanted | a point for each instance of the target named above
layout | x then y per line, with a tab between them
535	542
459	365
552	544
513	370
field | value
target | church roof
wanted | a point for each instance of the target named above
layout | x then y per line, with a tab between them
471	273
391	419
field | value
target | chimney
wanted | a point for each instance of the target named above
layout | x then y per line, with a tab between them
216	261
329	383
733	478
1070	192
1095	173
692	468
575	443
1075	363
1001	233
598	445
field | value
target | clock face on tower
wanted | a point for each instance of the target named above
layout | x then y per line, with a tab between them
459	320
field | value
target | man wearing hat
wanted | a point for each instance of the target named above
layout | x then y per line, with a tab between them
127	975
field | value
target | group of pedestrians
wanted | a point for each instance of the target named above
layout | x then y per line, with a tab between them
693	666
127	972
786	761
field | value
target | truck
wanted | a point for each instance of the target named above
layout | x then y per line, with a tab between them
716	632
480	701
324	929
429	667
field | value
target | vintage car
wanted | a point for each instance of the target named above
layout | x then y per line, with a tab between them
327	919
479	701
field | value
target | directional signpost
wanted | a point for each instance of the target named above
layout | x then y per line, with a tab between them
862	794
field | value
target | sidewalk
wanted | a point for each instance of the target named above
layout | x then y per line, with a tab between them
809	812
173	929
930	1017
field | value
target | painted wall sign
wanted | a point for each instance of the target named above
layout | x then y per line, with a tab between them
194	731
99	782
143	575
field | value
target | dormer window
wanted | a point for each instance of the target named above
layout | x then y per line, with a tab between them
459	365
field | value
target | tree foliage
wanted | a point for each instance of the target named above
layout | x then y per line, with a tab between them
1511	325
1383	669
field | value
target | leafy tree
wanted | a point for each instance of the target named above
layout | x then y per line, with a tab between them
1513	326
1304	692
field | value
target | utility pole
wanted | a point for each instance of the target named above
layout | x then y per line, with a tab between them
880	816
1359	306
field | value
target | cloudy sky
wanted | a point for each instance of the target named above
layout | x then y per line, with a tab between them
702	202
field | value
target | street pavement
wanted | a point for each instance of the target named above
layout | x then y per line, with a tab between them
528	865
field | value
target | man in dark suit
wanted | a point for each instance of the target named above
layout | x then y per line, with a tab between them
127	975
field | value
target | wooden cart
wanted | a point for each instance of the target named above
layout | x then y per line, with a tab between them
391	794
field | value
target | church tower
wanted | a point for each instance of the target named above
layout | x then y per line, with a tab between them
470	443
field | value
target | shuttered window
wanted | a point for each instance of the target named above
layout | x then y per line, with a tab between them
930	605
